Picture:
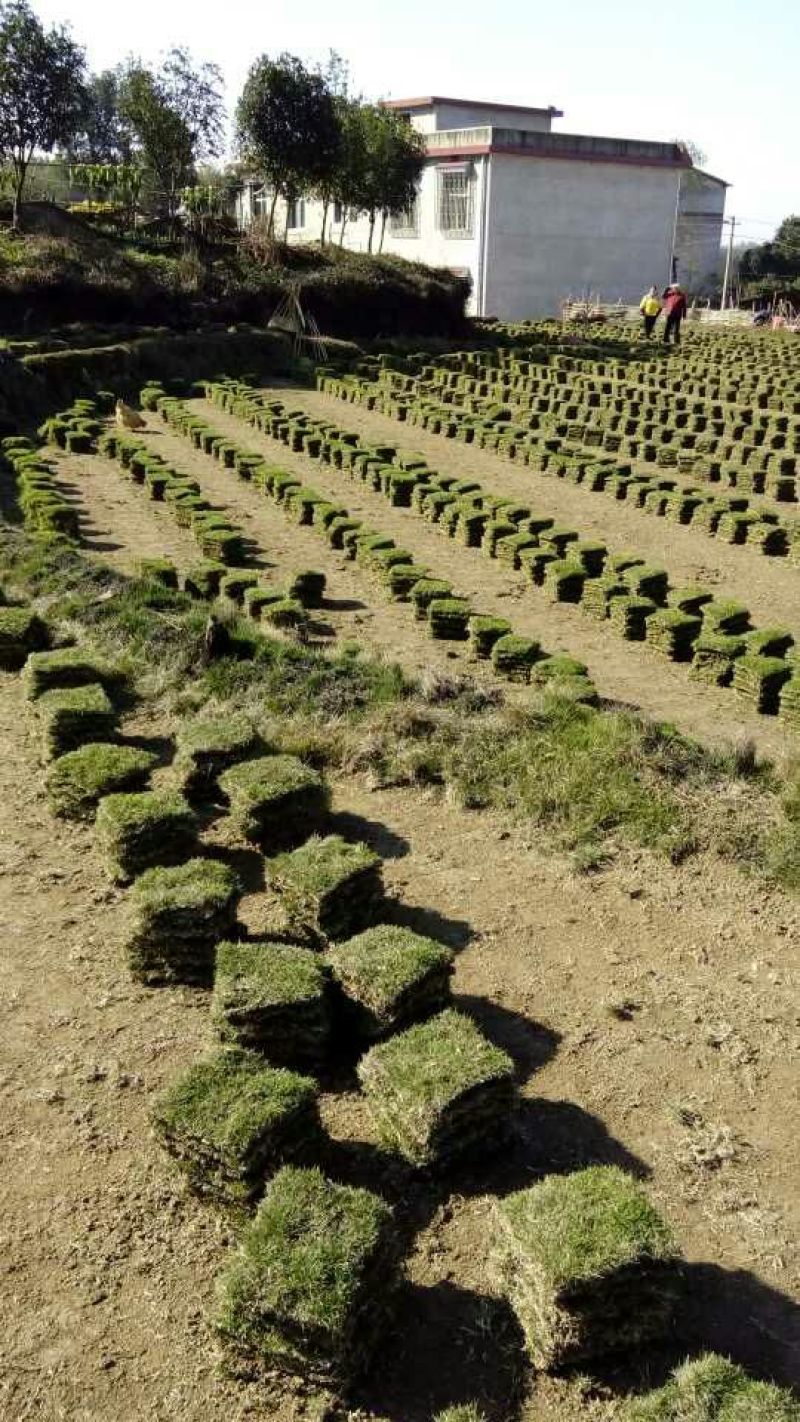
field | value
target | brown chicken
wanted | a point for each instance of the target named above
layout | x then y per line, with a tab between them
127	418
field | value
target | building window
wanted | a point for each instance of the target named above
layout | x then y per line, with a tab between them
261	203
296	214
456	201
406	223
338	213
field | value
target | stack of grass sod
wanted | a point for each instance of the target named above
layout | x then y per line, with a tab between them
77	781
207	747
439	1091
329	889
513	657
448	619
73	716
565	676
275	801
22	632
231	1121
272	997
386	978
176	916
67	667
587	1264
136	830
307	588
713	1389
715	655
790	700
308	1290
672	633
759	680
484	631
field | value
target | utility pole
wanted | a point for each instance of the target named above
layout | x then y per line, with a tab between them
728	260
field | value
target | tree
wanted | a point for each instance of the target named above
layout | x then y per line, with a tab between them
42	91
336	76
787	242
696	153
176	118
393	163
103	136
287	127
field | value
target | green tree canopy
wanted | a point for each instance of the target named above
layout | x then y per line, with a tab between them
42	91
287	127
176	117
103	136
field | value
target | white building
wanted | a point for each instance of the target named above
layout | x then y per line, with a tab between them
535	216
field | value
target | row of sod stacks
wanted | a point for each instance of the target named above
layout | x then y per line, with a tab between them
45	510
231	1120
449	618
219	540
528	412
632	596
635	597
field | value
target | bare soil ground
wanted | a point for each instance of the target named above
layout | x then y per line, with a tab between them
652	1012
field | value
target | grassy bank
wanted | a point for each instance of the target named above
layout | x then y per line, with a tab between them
62	271
586	781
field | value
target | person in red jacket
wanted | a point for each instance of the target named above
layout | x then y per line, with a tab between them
674	310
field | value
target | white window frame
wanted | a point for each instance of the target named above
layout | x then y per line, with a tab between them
406	223
296	215
455	200
260	203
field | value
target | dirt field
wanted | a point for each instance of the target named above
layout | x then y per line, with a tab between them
651	1011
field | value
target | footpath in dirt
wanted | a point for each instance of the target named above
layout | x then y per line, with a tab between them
652	1014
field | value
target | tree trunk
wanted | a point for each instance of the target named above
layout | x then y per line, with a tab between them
20	173
383	231
371	231
325	207
344	224
271	219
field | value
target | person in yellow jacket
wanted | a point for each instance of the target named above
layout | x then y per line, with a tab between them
650	307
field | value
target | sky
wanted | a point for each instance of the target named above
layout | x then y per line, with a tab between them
721	74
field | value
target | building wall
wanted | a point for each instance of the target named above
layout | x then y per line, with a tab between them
566	228
444	115
698	236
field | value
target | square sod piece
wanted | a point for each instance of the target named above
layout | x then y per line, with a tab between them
231	1120
329	889
388	977
21	632
136	831
76	781
64	667
73	716
306	1289
176	916
272	997
439	1090
713	1389
204	748
276	800
587	1264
